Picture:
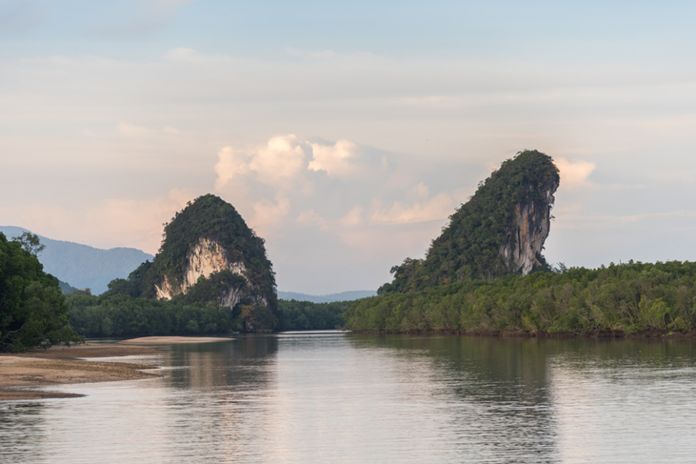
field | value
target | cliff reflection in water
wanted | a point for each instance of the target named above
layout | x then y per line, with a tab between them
493	393
220	397
551	400
317	398
242	362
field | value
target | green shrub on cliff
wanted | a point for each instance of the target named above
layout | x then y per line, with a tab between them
471	245
246	286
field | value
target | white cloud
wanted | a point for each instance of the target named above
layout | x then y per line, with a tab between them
267	213
437	208
281	159
338	159
574	173
343	198
230	165
471	112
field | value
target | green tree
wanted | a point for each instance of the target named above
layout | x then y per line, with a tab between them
33	311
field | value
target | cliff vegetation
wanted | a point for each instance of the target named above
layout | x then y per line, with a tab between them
210	257
500	231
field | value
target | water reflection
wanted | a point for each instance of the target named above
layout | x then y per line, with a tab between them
494	392
243	361
307	398
221	397
27	417
562	400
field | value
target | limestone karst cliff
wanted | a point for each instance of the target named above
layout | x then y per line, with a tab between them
500	230
209	255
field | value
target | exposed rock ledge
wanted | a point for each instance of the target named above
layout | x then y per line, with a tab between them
205	259
532	223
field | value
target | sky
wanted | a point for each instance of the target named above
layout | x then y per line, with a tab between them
346	133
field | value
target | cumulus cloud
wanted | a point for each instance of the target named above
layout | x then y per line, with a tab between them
283	157
332	185
339	159
437	208
230	164
574	173
267	213
280	159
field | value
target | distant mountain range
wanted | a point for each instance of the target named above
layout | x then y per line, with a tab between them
83	266
343	296
80	266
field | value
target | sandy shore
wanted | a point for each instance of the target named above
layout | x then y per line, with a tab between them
63	365
158	341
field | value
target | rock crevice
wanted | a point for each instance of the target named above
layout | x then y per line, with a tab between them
531	225
205	258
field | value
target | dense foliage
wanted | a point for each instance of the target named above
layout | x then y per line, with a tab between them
121	316
210	217
305	315
470	246
32	307
619	299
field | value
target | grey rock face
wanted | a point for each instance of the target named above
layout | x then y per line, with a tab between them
531	226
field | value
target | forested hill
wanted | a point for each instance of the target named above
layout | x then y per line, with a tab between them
210	256
501	230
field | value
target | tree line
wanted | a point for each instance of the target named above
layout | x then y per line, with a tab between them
120	316
618	299
32	308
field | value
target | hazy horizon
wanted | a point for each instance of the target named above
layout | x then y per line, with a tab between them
347	134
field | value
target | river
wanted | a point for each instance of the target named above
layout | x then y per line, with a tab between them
335	398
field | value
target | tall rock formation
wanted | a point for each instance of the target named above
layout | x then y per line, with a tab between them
500	230
209	255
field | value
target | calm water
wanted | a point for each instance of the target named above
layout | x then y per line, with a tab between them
334	398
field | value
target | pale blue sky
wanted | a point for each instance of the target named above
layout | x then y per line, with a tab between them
587	30
346	132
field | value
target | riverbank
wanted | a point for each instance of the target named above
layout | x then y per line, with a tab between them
623	300
172	340
22	373
601	335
